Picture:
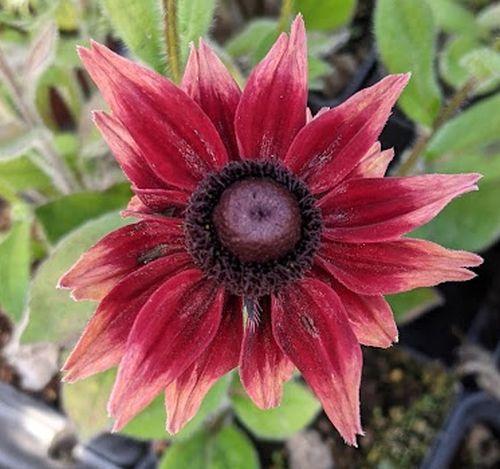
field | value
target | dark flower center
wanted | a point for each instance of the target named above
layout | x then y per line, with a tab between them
258	220
253	226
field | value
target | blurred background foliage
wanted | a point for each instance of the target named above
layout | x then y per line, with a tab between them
60	189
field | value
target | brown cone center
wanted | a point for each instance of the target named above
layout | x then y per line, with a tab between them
258	220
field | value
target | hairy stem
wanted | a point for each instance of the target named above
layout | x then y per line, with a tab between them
285	13
50	162
446	113
172	39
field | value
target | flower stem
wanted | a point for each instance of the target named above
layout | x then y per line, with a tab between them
285	13
50	162
446	113
172	39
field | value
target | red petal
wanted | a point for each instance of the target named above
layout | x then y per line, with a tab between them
175	136
395	266
380	209
311	326
370	317
160	200
102	343
153	192
184	395
374	164
272	108
126	151
172	330
263	366
309	116
332	145
209	83
120	253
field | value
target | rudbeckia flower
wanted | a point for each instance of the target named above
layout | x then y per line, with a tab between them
266	238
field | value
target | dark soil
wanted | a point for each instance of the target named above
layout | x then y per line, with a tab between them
404	402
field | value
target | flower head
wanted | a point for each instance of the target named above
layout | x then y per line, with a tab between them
266	238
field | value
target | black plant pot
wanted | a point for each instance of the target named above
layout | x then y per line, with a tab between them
473	406
34	435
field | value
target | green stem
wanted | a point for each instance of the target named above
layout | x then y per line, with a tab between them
172	39
50	162
446	114
285	13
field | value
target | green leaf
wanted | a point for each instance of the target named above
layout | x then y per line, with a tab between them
54	316
484	65
317	69
139	24
20	174
453	17
326	14
321	43
41	53
66	213
489	17
471	222
475	128
192	453
67	16
194	20
406	38
62	80
85	403
248	40
264	46
449	64
15	269
150	424
297	410
231	448
407	306
228	448
16	141
482	162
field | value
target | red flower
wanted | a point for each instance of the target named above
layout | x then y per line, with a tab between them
251	210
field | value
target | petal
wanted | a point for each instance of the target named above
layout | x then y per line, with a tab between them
309	116
380	209
177	139
210	84
374	164
156	210
126	151
370	317
272	108
326	150
120	253
311	327
395	266
171	331
184	395
102	343
160	200
263	366
155	193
